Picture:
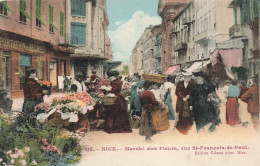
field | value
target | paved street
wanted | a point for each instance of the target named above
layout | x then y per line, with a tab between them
226	136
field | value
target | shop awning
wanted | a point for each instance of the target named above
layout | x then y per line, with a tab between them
197	66
230	57
172	70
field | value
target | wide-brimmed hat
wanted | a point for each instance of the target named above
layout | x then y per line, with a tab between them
186	73
200	74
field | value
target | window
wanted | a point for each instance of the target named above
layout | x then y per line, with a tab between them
256	7
77	35
3	8
39	22
61	23
245	12
23	14
78	7
51	25
24	63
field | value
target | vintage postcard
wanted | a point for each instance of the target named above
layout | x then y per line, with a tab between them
129	82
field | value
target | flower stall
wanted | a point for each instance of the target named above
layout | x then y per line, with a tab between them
67	109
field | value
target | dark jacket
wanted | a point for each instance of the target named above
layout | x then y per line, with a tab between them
32	90
251	97
181	92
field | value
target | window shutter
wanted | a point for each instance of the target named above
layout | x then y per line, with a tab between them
38	11
61	23
50	15
22	8
4	3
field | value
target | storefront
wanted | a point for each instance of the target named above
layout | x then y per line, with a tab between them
18	52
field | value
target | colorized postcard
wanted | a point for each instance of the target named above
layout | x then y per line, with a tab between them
129	82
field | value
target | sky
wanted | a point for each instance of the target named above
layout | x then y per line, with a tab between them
127	22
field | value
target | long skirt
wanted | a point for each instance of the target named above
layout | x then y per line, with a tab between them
146	126
117	120
28	105
185	121
232	116
168	102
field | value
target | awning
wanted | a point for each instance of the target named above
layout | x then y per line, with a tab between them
173	69
197	66
230	57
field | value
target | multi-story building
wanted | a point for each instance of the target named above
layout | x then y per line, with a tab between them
31	35
86	25
182	36
157	47
148	54
212	22
246	28
168	9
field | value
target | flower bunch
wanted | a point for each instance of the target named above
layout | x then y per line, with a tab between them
83	96
126	87
69	107
42	107
45	83
19	156
49	148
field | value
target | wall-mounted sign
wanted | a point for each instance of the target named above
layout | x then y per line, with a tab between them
14	44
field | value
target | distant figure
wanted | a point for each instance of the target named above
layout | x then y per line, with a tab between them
250	82
232	115
217	82
251	97
67	84
93	76
242	88
225	89
33	94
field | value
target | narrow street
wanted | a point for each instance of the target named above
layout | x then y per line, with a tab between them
95	154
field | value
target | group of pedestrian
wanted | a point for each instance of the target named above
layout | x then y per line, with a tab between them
197	101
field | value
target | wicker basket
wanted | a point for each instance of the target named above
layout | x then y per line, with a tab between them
107	100
159	78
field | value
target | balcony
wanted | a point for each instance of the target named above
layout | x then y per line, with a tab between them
202	37
187	21
180	46
174	31
236	31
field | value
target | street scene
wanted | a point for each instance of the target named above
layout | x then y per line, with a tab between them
129	82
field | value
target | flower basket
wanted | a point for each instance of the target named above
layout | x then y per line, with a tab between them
108	100
159	78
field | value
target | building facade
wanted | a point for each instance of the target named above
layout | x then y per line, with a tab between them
87	31
32	34
168	9
148	51
246	28
157	47
182	36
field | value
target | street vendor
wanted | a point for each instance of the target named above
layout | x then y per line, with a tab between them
135	103
93	76
33	94
117	120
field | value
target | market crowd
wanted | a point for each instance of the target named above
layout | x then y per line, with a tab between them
146	102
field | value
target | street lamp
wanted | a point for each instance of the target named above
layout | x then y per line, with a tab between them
202	57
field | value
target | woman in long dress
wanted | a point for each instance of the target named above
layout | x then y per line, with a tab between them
185	119
203	109
150	124
135	103
117	120
232	114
